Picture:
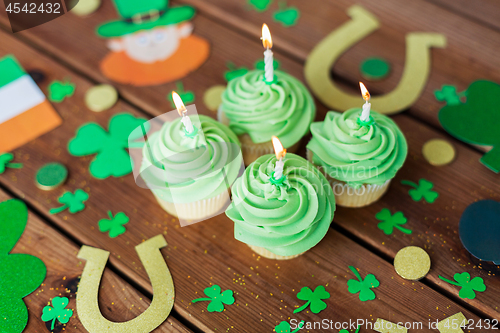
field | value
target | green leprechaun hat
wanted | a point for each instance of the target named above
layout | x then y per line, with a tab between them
143	15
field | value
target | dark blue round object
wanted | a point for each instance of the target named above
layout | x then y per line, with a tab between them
479	230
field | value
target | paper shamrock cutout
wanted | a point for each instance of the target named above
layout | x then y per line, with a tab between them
20	274
5	159
233	71
389	222
58	91
475	121
112	159
260	5
73	202
216	298
261	65
284	327
58	311
314	299
287	16
468	286
363	287
422	190
186	96
346	331
114	225
449	95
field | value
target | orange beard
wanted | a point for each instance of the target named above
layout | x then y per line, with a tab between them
191	54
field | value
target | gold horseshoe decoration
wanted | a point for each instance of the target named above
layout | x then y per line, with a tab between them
163	289
409	88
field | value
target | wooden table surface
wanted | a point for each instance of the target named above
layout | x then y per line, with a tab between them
207	253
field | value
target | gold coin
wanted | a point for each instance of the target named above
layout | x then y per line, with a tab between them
412	263
101	97
213	97
86	7
438	152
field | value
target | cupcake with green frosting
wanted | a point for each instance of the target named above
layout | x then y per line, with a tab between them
256	110
359	158
281	219
190	173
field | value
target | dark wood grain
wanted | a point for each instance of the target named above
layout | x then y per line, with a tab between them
205	253
117	299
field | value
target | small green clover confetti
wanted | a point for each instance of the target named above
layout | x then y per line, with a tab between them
20	274
468	286
114	225
363	286
216	298
422	190
390	222
448	94
346	331
5	159
112	159
284	327
73	202
59	90
186	96
314	299
287	16
260	5
233	71
261	65
58	311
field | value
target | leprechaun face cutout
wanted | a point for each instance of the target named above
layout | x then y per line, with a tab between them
152	43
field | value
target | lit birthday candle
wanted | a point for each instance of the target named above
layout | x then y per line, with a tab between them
280	156
365	114
182	112
268	54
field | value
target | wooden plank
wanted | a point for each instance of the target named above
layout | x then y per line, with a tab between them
118	300
483	11
205	253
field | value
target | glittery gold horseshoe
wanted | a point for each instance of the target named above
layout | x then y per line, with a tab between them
362	23
163	289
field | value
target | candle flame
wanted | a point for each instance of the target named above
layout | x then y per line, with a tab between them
364	92
179	104
267	41
278	148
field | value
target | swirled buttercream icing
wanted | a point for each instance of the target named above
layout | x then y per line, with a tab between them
284	108
287	217
358	153
186	167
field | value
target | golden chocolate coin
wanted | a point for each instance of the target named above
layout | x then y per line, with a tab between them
412	263
101	97
213	97
438	152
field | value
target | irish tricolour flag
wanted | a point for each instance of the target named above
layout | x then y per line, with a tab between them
25	113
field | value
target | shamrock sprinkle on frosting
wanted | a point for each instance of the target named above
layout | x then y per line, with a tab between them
468	286
216	298
73	202
422	190
389	222
58	311
314	299
363	287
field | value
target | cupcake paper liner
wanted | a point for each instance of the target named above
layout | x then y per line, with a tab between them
269	255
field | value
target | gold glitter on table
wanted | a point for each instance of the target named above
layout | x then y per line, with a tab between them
412	263
438	152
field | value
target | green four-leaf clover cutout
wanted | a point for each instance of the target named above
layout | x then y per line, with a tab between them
468	286
111	157
314	299
389	222
216	298
422	190
20	274
73	202
284	327
58	311
114	225
5	159
363	287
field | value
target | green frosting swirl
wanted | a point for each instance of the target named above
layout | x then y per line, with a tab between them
189	168
357	154
286	219
285	108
